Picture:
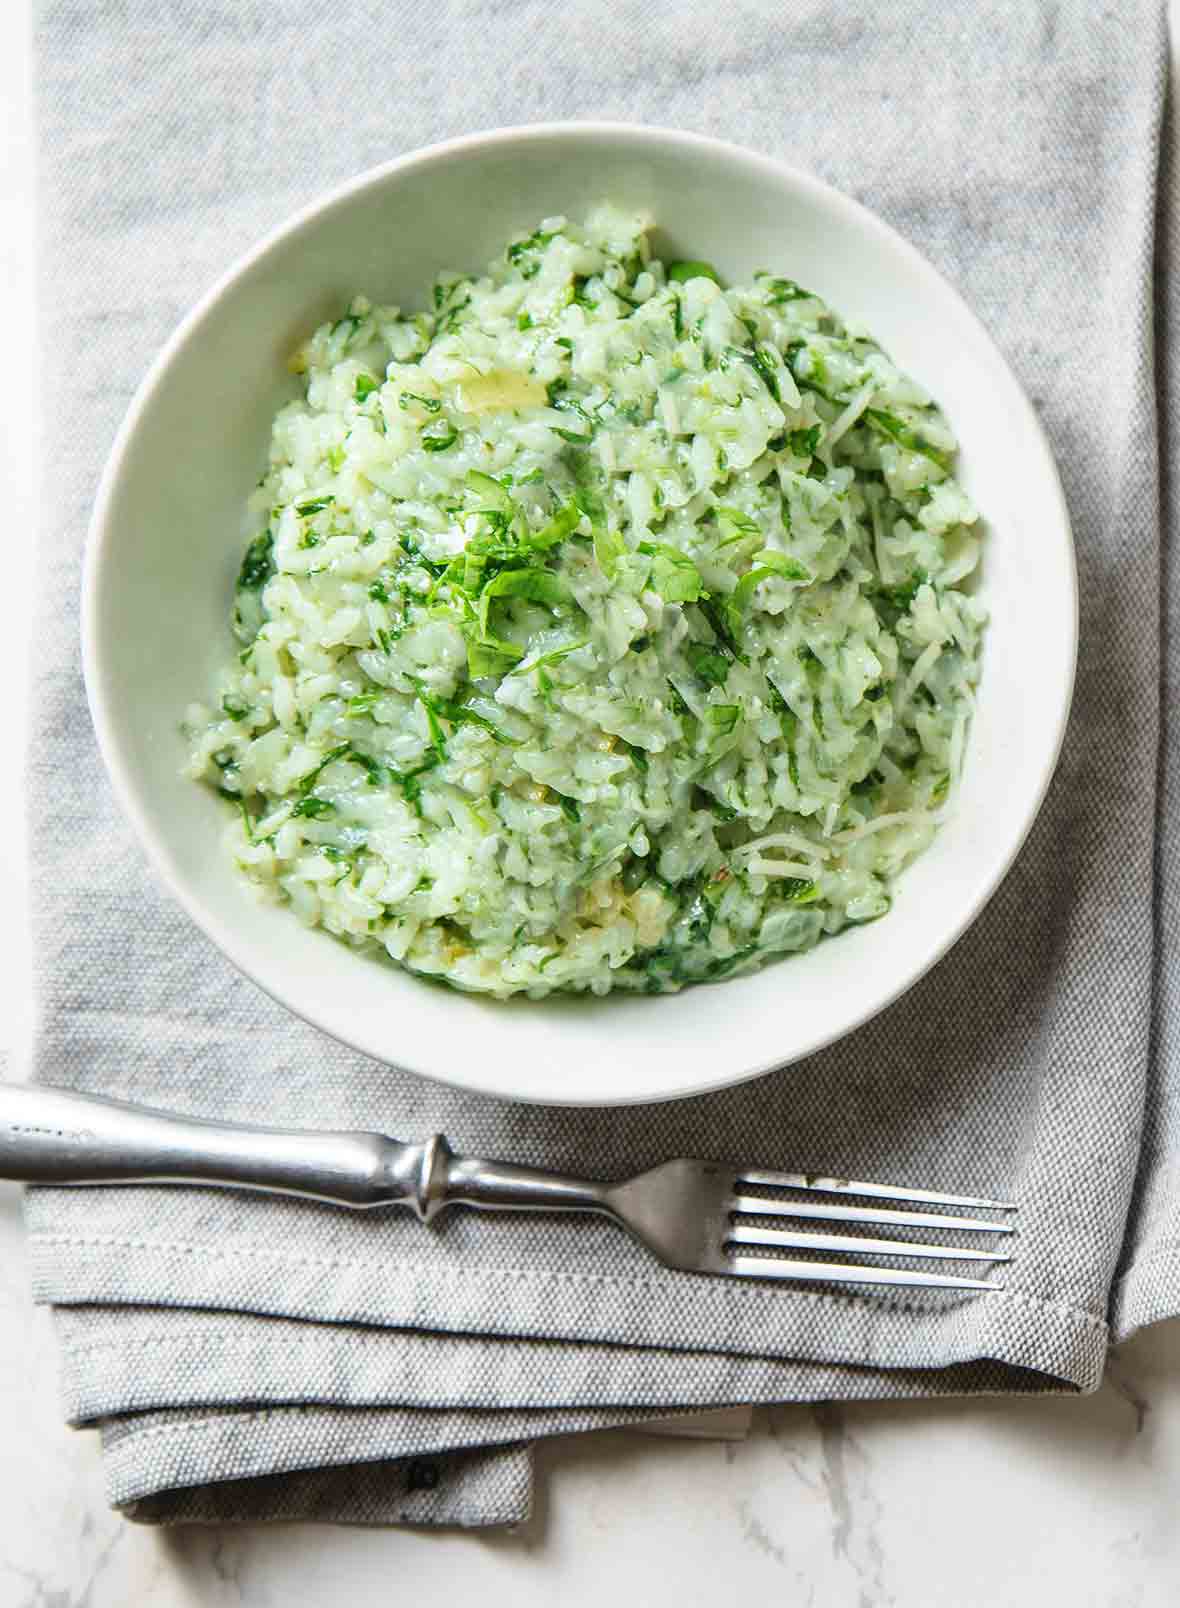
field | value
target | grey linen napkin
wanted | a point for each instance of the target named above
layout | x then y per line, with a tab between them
248	1358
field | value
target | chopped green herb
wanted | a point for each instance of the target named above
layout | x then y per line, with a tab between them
902	597
525	254
430	403
306	783
780	291
897	429
438	737
804	442
763	360
439	436
259	563
679	273
365	386
798	890
313	808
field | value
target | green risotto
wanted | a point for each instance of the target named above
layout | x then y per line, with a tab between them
600	626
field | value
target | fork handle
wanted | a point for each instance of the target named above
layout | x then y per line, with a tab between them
56	1136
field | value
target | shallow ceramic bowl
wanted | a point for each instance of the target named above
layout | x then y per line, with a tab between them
165	545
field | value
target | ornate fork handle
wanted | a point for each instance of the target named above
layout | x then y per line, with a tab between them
55	1136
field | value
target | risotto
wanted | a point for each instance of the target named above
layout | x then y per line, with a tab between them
601	626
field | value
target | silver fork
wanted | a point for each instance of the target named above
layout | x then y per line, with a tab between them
699	1216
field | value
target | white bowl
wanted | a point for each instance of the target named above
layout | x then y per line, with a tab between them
164	546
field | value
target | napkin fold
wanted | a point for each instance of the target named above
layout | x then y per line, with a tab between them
247	1358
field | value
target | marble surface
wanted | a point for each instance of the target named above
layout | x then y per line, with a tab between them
926	1505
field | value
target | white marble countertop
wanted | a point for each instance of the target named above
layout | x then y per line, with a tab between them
927	1504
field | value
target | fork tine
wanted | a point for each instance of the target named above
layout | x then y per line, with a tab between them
852	1186
788	1239
764	1267
757	1206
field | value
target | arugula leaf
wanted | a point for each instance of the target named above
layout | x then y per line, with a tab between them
258	565
493	492
722	718
554	656
636	755
722	626
673	574
566	519
766	564
491	657
706	662
411	549
537	585
736	526
609	545
782	564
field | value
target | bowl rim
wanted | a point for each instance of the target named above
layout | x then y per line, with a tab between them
313	212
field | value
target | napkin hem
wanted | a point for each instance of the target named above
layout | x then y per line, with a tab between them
1069	1343
514	1275
141	1460
487	1487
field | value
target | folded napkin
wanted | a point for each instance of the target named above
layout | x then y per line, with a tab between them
248	1358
